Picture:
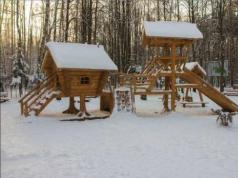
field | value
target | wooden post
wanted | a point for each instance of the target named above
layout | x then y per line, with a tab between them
26	113
201	99
166	96
173	80
72	109
200	96
82	104
166	52
21	108
186	93
83	114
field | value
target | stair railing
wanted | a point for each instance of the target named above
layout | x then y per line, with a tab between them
31	97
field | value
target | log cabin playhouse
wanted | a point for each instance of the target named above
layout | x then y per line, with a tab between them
172	42
73	70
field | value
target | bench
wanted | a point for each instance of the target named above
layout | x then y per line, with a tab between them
184	103
3	97
230	93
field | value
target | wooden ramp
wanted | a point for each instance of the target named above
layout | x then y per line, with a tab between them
209	91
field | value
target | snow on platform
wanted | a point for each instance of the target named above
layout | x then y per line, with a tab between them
172	29
192	65
186	143
81	56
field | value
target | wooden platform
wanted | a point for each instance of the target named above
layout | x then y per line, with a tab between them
97	114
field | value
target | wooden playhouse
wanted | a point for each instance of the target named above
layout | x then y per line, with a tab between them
73	70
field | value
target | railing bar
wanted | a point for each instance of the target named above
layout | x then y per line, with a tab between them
41	86
36	87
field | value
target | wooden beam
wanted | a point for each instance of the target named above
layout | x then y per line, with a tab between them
153	92
82	104
187	85
173	79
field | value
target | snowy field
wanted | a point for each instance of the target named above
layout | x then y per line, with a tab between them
184	144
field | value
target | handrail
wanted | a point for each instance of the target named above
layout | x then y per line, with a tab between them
38	89
148	65
22	98
24	101
38	96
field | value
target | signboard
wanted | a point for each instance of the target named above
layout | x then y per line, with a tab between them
214	70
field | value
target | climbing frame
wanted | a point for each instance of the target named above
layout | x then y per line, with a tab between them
175	39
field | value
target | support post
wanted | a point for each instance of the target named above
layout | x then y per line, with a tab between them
83	114
166	96
166	52
173	78
200	96
72	109
21	107
82	104
186	93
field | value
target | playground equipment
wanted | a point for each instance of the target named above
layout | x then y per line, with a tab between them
72	70
173	41
81	70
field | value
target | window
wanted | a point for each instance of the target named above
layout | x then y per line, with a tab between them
84	80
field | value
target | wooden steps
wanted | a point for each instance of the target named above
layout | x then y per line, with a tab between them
38	98
42	103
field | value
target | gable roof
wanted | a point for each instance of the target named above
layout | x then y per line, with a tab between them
172	29
80	56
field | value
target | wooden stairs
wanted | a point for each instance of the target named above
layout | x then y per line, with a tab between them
40	96
143	84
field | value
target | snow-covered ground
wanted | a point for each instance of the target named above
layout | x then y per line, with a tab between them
184	144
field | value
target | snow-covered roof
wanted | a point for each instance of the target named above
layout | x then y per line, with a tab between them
172	29
80	56
193	65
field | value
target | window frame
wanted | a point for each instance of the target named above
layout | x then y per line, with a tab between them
84	80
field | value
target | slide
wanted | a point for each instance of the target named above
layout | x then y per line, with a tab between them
209	91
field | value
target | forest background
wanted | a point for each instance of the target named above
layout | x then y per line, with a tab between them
26	25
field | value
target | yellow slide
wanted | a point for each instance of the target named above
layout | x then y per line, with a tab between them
209	91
